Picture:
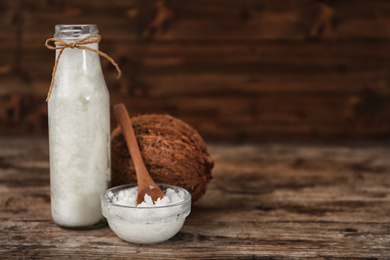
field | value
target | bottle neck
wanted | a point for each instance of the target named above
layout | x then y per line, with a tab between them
73	32
76	60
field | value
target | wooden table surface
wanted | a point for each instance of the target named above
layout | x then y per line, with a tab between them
273	200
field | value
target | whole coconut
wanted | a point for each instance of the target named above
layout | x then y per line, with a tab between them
173	152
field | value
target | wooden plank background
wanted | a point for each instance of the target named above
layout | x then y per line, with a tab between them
234	69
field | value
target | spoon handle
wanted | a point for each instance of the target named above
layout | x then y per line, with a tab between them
124	121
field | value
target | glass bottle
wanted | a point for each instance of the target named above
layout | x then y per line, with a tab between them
79	133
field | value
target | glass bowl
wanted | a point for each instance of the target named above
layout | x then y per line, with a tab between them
145	225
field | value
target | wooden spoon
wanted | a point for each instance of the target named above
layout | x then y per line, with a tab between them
146	185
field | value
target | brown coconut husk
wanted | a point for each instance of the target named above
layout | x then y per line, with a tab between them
173	152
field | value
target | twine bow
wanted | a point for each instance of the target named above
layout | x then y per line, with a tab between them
60	45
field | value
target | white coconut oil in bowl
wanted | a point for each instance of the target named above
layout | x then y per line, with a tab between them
148	222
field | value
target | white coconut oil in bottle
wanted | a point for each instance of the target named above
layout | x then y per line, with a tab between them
79	133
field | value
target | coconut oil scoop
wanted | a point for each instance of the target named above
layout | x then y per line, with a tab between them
146	185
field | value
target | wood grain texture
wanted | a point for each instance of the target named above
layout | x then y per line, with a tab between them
242	70
269	200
